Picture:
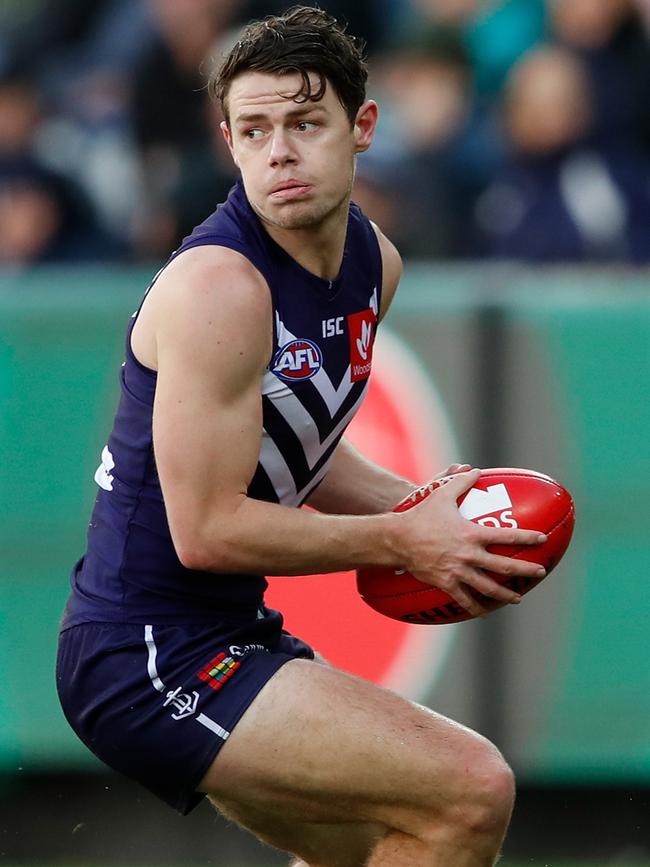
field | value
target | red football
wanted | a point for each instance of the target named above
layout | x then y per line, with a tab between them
502	497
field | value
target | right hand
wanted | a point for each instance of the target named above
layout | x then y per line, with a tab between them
447	551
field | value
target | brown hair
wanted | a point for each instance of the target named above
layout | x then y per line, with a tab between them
303	40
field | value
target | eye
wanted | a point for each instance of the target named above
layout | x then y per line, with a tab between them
253	134
306	125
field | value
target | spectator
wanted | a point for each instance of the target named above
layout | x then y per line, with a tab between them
564	196
44	218
20	114
609	37
494	34
442	149
175	124
78	57
41	28
43	215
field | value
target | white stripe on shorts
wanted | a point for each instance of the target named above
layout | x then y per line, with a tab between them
160	686
151	661
212	725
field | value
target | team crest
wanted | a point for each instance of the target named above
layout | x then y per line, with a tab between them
299	359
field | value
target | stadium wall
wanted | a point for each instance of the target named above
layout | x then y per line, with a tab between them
545	369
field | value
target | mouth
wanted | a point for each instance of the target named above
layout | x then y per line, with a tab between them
290	189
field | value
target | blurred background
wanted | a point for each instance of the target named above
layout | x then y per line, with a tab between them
512	169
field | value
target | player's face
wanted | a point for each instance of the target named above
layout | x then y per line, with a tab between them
297	159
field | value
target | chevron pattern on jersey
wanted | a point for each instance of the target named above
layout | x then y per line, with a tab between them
302	425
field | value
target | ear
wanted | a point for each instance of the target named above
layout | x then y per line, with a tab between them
227	134
364	125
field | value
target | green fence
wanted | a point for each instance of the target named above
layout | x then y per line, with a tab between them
546	369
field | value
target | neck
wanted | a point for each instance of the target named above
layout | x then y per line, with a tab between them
319	249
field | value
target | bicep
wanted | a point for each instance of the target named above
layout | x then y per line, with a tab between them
207	417
206	444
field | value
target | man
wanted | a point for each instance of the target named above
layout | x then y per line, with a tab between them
243	367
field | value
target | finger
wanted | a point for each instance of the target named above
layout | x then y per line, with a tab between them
454	469
489	587
465	599
461	482
507	536
511	566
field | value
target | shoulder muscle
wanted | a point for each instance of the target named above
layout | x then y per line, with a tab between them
392	269
213	311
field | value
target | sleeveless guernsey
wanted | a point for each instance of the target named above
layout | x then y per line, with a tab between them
323	333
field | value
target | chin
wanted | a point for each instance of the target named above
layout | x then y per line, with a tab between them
304	215
299	221
295	216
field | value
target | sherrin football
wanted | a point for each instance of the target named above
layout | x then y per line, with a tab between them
502	497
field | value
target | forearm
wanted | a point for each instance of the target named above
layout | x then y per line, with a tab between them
259	537
356	528
355	485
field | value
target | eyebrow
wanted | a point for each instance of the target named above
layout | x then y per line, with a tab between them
253	117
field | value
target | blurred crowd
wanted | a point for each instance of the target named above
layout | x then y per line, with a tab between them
510	129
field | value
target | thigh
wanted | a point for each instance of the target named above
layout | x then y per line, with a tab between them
318	745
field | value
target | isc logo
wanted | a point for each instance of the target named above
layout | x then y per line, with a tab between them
300	359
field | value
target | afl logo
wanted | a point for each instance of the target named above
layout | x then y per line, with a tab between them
300	359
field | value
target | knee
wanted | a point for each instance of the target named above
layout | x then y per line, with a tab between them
488	799
486	792
477	804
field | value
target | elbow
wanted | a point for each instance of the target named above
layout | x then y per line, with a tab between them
208	545
191	548
197	556
192	556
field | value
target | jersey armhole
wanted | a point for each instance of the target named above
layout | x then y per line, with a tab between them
379	273
203	241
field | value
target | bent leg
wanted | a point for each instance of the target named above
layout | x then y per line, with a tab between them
343	845
321	747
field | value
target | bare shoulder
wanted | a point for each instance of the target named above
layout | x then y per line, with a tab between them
392	268
207	296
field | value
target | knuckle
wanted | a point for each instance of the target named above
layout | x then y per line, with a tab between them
478	534
503	566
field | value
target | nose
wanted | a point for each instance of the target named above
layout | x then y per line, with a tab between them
281	151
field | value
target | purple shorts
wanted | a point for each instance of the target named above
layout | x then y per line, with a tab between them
157	703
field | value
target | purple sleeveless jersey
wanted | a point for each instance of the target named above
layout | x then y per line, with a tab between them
316	379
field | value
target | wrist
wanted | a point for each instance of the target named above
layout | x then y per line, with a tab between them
392	550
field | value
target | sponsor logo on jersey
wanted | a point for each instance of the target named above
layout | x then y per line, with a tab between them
299	359
218	671
361	333
332	327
